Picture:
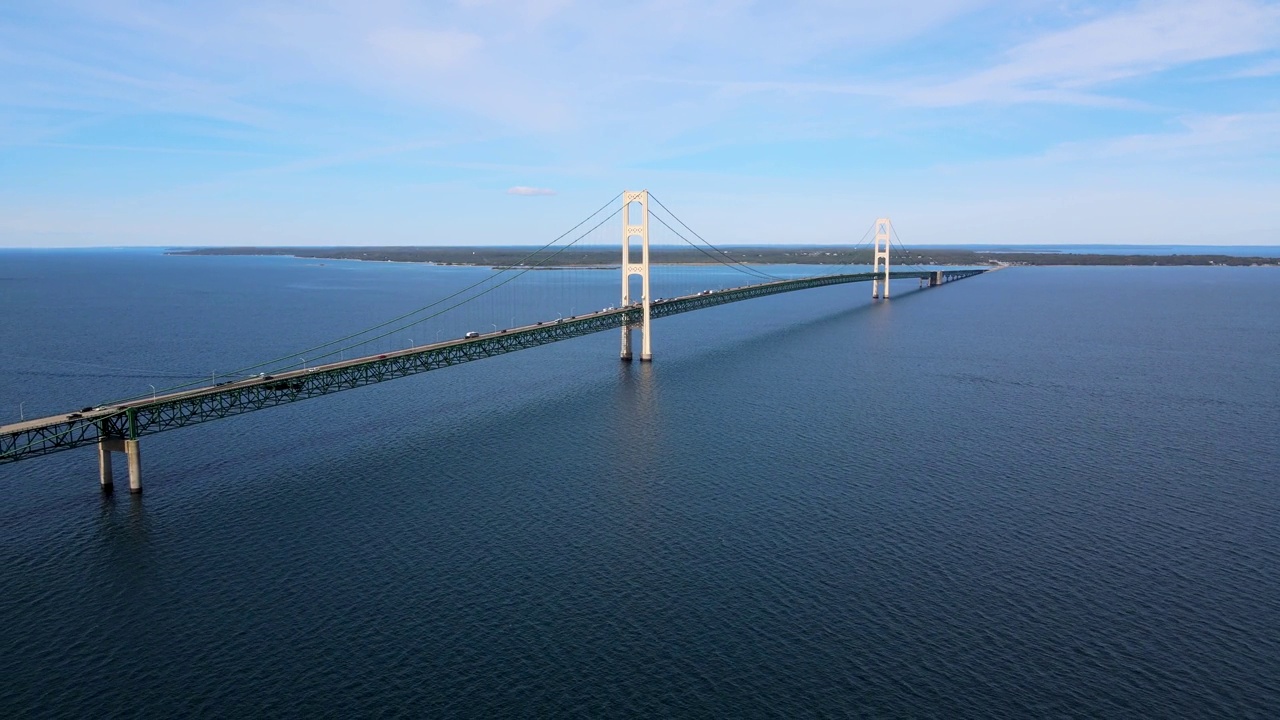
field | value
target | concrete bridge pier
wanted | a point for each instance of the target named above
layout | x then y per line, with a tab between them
935	278
135	466
104	463
108	445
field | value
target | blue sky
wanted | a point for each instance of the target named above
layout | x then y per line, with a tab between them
141	122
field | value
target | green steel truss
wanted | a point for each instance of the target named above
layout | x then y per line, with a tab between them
140	417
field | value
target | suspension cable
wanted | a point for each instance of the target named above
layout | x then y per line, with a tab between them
411	313
460	303
853	251
901	248
749	270
704	240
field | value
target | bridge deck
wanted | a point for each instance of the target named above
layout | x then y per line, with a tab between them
148	415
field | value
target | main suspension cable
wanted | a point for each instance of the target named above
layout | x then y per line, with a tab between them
902	249
379	326
748	271
852	251
704	240
512	278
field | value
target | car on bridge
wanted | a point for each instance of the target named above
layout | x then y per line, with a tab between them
472	334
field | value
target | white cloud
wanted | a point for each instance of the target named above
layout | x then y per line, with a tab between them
1263	69
423	49
1064	66
483	94
1221	147
1215	136
528	66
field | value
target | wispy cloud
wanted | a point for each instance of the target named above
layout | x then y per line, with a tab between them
425	50
366	107
1072	65
1215	136
1263	69
1069	65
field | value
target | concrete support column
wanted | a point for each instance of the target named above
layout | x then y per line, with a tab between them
104	466
135	465
106	446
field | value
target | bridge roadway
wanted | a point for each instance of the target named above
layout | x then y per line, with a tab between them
147	415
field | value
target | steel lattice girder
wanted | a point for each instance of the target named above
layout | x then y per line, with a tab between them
144	417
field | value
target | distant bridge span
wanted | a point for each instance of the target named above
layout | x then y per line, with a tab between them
117	427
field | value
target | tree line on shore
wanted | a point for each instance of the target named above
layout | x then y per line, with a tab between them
814	255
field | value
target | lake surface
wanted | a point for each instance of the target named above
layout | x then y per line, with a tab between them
1038	492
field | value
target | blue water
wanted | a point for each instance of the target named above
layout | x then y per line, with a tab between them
1039	492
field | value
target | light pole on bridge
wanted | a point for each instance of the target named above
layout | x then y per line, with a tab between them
21	415
153	391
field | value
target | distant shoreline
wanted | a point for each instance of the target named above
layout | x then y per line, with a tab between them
602	258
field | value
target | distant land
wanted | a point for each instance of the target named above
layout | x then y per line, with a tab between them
790	255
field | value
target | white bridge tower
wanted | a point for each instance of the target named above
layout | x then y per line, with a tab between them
636	227
883	228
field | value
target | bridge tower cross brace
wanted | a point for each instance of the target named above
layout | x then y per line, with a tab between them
636	228
883	228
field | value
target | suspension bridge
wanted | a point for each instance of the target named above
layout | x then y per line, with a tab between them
116	426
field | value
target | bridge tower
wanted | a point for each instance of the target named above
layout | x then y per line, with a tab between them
638	228
883	228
